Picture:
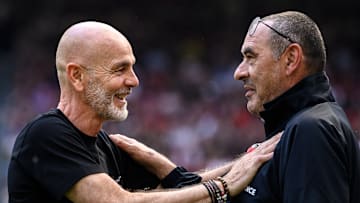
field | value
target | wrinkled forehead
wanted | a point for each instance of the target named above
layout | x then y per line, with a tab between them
112	53
259	38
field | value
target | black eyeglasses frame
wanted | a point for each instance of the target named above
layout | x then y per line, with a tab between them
254	24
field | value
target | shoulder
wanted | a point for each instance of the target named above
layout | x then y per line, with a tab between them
326	117
324	125
45	129
49	122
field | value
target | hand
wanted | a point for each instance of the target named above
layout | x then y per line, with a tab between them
245	167
152	160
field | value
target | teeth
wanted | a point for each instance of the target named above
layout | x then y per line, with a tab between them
119	96
122	94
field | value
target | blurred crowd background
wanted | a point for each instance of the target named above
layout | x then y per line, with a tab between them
187	105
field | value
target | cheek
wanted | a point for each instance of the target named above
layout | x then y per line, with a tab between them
113	84
268	87
264	82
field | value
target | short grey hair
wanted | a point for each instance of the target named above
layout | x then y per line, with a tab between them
304	31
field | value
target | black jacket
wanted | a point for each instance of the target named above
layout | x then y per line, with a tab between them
317	159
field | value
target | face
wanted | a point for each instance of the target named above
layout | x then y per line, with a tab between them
108	85
108	104
260	71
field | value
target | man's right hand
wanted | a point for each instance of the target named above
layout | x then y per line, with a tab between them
244	168
155	162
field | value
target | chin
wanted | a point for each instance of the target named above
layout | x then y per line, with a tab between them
116	113
122	115
253	109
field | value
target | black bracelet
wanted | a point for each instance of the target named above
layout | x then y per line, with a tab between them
215	193
210	190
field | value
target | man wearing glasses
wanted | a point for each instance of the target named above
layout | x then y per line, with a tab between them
65	156
283	70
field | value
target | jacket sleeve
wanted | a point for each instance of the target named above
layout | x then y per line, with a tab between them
314	166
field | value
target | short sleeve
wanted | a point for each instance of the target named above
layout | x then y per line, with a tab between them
54	154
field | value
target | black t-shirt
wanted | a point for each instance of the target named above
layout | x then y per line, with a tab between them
51	154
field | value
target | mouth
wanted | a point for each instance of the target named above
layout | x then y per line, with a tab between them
249	91
120	98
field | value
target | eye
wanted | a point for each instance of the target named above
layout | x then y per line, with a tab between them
249	56
119	70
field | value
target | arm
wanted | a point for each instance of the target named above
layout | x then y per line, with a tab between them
157	163
152	160
101	188
160	165
216	172
224	169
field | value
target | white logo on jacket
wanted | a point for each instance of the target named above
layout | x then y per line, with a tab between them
250	190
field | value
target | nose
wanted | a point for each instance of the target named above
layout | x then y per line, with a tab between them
241	72
132	79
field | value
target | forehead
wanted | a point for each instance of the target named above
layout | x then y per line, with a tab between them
116	50
258	41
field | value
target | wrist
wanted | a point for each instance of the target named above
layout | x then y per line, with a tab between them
180	177
217	190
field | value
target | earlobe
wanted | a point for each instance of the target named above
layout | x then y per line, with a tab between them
293	58
75	75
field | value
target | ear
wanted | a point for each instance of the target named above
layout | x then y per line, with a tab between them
75	75
294	56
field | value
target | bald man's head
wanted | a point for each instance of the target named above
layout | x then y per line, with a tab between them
88	43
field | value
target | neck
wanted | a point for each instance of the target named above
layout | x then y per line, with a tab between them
81	116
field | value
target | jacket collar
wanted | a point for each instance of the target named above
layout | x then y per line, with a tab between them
310	91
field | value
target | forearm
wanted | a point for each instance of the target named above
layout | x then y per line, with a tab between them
196	194
158	164
216	172
100	188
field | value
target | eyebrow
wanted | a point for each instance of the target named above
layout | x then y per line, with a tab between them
248	50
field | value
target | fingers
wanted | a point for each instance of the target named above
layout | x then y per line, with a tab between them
153	161
125	143
121	139
268	145
265	157
245	168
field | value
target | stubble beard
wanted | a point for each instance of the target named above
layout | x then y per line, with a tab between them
102	102
254	106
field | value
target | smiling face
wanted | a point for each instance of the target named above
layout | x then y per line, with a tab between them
106	99
261	72
110	80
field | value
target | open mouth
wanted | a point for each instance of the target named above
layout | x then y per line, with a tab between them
120	96
120	99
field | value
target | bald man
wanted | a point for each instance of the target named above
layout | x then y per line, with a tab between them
64	155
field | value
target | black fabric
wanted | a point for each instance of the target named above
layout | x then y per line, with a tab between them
317	159
180	177
50	155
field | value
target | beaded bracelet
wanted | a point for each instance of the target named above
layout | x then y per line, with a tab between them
216	195
226	194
